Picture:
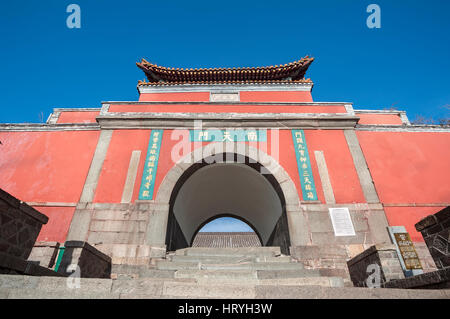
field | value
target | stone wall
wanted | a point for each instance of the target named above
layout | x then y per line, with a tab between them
123	232
91	263
385	256
435	230
120	230
12	265
329	259
425	257
20	225
117	224
319	248
439	279
368	220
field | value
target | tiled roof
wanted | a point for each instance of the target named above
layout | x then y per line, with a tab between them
291	72
223	240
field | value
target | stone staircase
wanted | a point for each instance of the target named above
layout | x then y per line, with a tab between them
231	266
192	273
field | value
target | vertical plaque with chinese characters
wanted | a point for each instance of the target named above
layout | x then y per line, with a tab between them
151	164
304	166
407	250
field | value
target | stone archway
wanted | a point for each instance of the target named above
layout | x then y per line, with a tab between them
160	221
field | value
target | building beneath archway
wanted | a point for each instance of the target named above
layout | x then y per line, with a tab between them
136	179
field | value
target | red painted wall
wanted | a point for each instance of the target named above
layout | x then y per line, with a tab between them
58	225
46	166
78	117
115	167
390	119
175	108
408	168
245	96
276	96
408	216
343	175
390	156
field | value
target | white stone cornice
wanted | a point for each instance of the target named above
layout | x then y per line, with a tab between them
179	88
75	109
403	128
227	120
30	127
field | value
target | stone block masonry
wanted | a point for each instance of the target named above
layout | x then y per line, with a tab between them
435	230
91	262
439	279
12	265
20	225
329	260
119	231
385	256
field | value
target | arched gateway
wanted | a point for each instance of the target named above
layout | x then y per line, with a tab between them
206	184
323	198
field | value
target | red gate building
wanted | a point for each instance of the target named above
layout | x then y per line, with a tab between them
322	180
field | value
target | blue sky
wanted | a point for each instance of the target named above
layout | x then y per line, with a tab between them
226	224
405	64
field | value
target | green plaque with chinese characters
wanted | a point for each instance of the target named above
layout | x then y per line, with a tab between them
151	164
304	166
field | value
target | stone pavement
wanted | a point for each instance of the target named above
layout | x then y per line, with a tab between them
25	287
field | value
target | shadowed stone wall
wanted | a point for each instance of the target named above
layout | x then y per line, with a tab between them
91	263
435	230
385	256
20	225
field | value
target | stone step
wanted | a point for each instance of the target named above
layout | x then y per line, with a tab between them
241	275
277	259
291	273
165	289
254	266
175	291
19	287
176	265
139	271
212	259
145	272
21	293
305	281
179	265
242	251
246	275
156	273
210	290
301	281
229	259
